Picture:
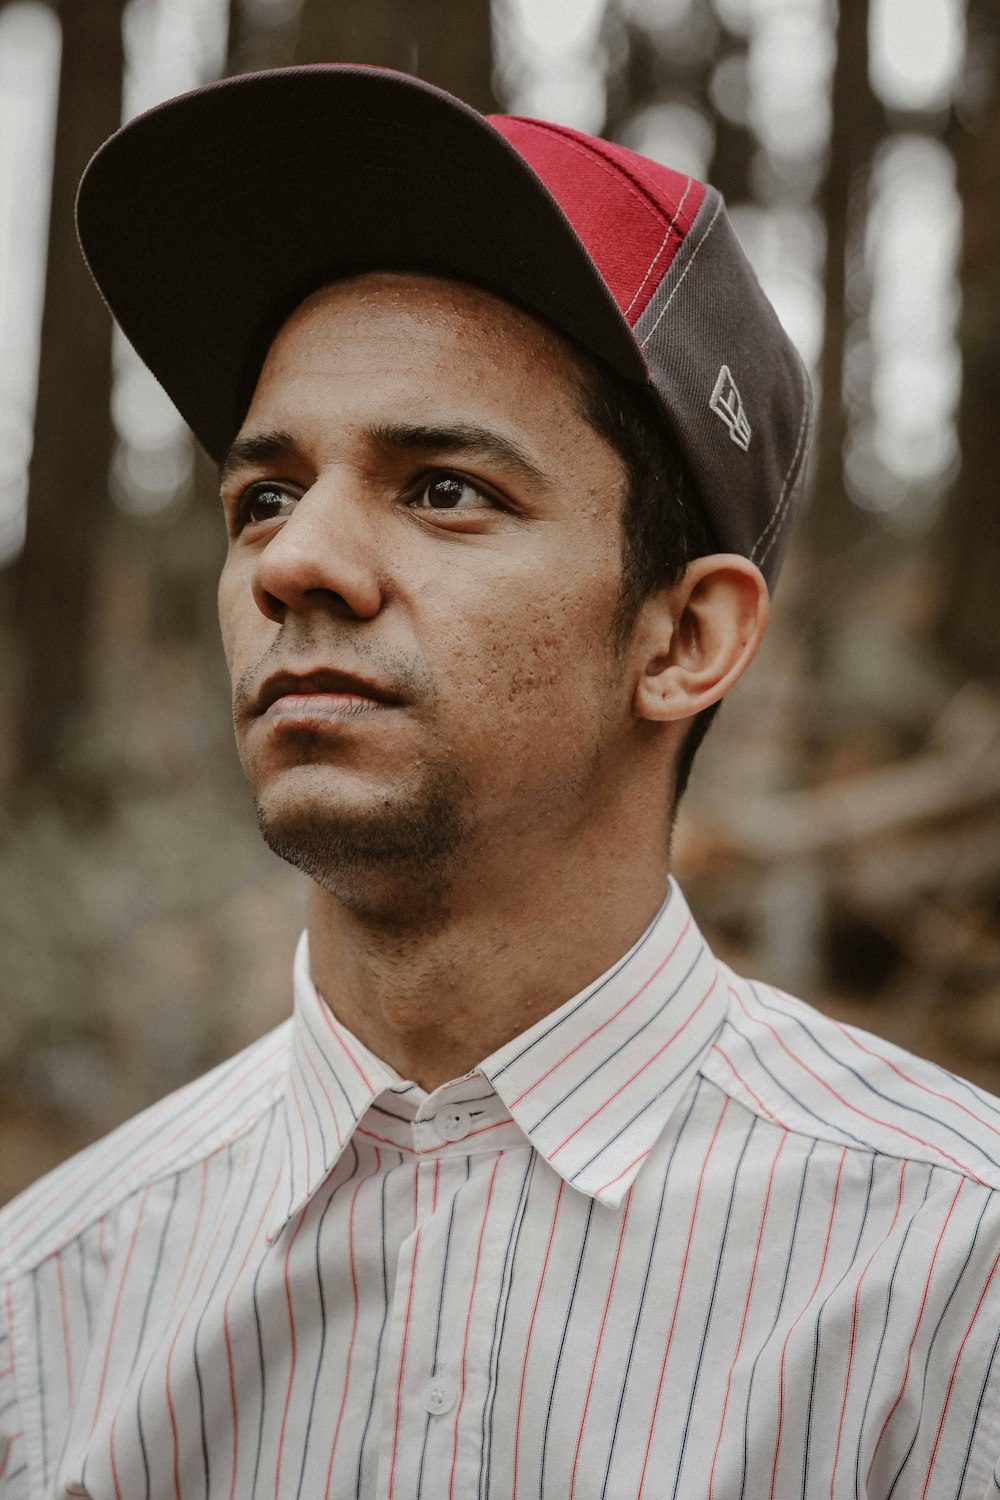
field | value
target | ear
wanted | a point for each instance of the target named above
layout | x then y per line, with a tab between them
697	639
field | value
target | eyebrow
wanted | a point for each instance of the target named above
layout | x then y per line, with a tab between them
262	448
457	437
460	437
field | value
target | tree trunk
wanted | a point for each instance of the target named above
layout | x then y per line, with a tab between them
735	144
446	42
254	44
831	522
970	532
68	476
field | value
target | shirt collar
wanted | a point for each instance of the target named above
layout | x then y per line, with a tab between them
592	1085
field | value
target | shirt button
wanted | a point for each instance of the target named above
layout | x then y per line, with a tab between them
438	1396
453	1124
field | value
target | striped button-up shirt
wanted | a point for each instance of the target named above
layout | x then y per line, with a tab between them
682	1238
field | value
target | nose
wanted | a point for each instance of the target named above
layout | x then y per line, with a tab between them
324	555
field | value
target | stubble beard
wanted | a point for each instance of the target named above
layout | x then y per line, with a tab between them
392	867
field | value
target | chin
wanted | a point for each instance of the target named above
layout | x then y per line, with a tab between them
349	837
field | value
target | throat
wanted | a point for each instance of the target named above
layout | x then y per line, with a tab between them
434	999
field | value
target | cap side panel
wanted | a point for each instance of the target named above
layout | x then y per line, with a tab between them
630	225
733	387
661	260
789	490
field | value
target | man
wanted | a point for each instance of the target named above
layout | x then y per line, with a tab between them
532	1196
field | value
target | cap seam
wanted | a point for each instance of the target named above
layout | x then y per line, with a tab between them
694	256
663	245
787	490
636	187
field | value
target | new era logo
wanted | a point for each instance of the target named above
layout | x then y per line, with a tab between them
727	403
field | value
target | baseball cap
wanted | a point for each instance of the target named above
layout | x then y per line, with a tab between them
208	219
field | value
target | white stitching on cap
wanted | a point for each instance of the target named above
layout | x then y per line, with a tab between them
785	498
611	168
694	256
663	245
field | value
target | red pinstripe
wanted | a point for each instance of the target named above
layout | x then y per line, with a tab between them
531	1329
326	1094
67	1347
402	1363
233	1399
801	1314
338	1037
638	1072
624	1171
180	1321
916	1329
855	1109
354	1324
115	1146
744	1085
854	1327
677	1295
600	1341
8	1448
468	1324
746	1313
293	1352
305	1133
954	1372
915	1082
115	1310
604	1024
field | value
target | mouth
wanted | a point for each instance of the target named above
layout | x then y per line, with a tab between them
323	694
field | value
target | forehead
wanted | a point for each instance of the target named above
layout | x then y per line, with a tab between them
430	324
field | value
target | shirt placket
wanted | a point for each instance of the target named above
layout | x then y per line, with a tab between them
448	1280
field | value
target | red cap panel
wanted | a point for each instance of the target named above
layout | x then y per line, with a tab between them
631	213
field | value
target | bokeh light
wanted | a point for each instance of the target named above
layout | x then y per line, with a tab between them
916	51
29	63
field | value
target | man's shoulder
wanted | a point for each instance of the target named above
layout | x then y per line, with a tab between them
181	1129
818	1076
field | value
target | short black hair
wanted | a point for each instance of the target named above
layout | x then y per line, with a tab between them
663	526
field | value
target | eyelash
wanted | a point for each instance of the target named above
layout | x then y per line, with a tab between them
246	496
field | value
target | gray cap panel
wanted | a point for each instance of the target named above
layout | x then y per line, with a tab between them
734	388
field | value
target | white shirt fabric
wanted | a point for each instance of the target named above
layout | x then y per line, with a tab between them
683	1238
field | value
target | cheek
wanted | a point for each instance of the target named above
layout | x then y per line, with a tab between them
239	621
526	670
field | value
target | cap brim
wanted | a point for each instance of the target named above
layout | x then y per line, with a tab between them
208	219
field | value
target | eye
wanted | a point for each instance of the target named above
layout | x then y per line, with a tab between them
451	492
265	501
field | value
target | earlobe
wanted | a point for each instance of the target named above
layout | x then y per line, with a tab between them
698	638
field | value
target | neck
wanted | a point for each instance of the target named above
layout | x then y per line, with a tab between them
518	934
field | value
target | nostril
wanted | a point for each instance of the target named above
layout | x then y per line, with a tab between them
270	605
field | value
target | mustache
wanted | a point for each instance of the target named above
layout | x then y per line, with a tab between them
399	675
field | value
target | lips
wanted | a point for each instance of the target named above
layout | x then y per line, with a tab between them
325	680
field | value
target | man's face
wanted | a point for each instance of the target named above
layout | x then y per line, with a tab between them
418	598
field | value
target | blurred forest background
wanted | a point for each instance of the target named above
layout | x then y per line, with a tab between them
842	832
